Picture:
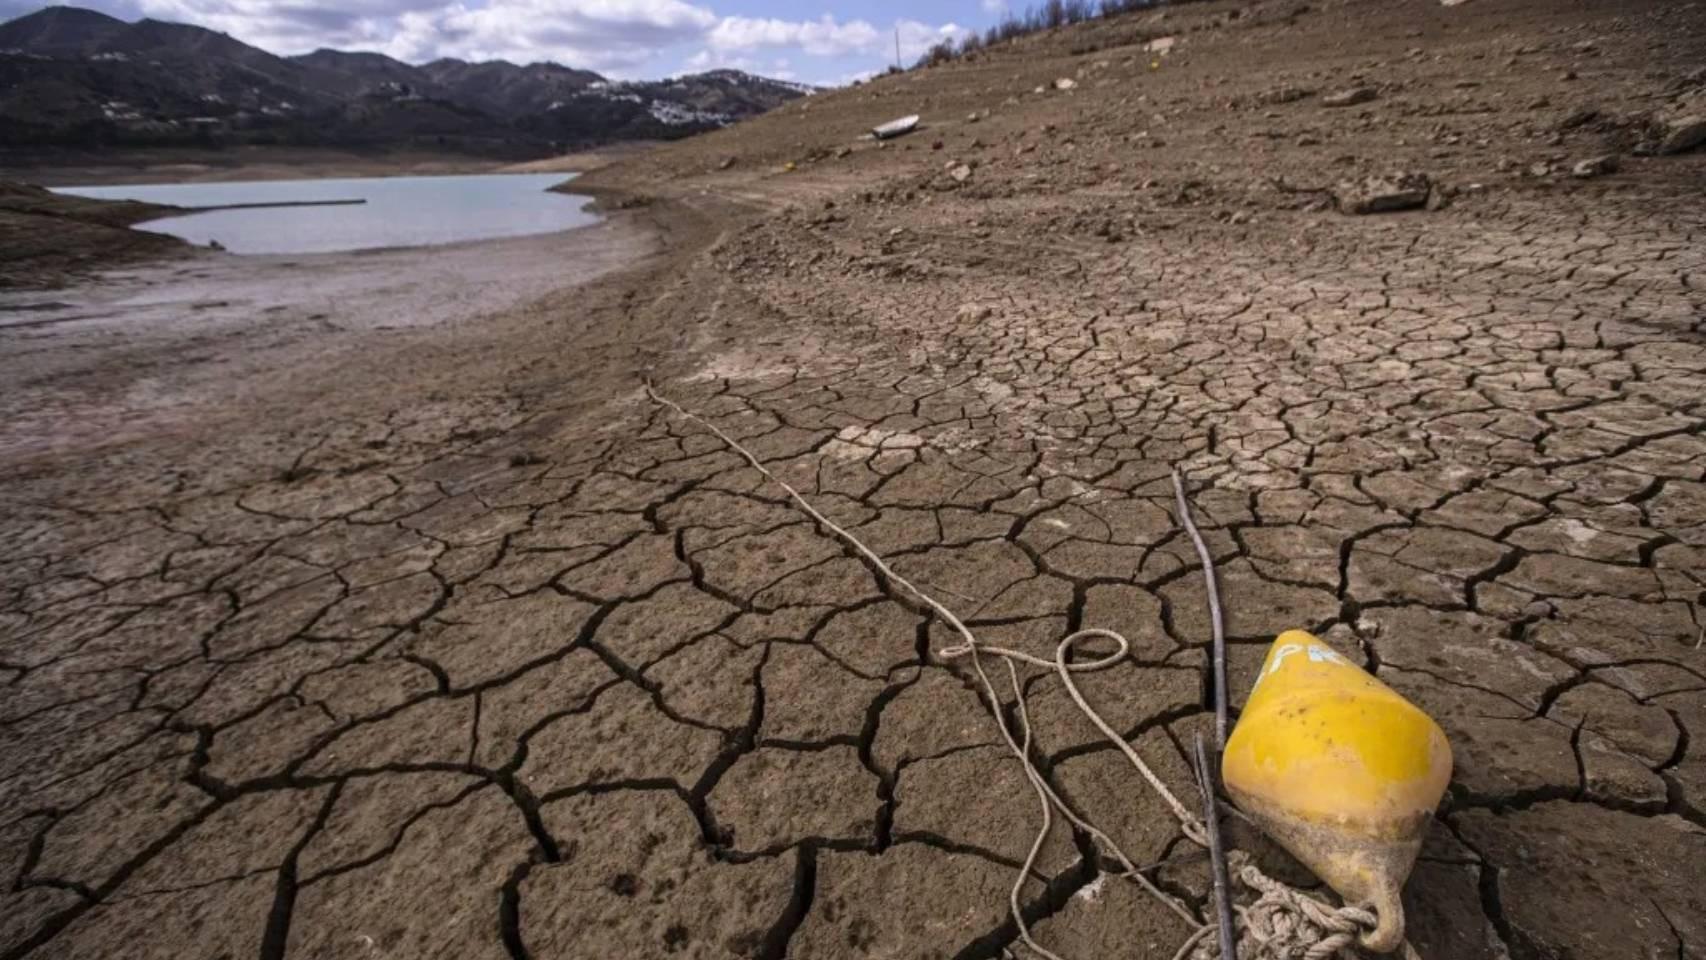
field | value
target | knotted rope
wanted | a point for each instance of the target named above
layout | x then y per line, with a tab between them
1286	924
1283	923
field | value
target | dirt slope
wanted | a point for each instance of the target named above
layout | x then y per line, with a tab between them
457	646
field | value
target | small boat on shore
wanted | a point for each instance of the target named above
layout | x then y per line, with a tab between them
895	128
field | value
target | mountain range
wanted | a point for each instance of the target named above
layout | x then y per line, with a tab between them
79	78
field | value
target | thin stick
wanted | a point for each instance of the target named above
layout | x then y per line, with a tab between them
1213	611
1216	855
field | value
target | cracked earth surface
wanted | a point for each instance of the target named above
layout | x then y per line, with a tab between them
503	660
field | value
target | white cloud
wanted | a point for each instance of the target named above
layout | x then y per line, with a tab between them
917	38
820	38
602	34
621	38
995	7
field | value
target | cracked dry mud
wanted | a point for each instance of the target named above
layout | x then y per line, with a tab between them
452	645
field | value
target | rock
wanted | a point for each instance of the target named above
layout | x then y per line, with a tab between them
1380	194
1351	97
960	172
1065	83
1680	133
1594	167
975	311
843	153
972	117
1287	93
725	163
1161	45
1540	169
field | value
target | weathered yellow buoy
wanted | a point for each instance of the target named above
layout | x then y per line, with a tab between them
1341	771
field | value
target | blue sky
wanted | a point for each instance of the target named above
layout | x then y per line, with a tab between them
825	43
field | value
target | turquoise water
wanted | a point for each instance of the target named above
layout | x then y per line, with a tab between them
399	212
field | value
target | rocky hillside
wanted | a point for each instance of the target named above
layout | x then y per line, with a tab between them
75	77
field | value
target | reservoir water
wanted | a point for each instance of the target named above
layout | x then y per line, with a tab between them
399	212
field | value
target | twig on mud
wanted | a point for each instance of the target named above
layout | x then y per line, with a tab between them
1216	621
1216	855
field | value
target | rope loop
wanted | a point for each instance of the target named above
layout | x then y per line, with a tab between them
1282	924
1287	924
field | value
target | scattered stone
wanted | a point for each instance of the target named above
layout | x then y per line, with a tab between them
1348	98
1678	133
1540	169
1382	194
1065	83
936	145
960	172
843	153
725	163
1287	93
1595	167
975	311
972	117
1161	45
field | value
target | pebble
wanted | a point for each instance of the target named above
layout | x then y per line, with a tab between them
1594	167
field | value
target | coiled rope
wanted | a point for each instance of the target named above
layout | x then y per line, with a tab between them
1282	924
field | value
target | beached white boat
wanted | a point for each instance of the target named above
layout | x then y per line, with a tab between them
895	128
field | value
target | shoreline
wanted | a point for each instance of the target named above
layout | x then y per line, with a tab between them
102	233
72	345
258	163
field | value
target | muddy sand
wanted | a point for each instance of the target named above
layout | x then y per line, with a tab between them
388	625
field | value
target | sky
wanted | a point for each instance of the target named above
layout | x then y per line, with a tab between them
832	42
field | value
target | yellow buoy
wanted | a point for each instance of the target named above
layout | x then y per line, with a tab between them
1341	771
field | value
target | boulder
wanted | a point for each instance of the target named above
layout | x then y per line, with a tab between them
1678	134
1381	194
1348	98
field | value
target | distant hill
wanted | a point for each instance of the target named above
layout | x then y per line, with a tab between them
76	77
60	31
